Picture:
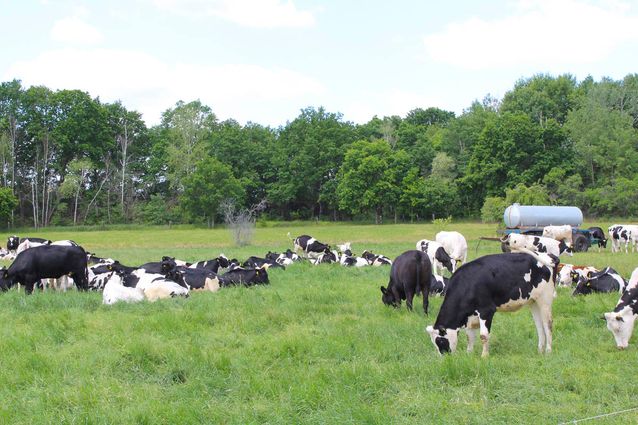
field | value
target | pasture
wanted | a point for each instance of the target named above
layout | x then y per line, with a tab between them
316	346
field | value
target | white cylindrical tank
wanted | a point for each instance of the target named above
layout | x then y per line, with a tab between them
517	215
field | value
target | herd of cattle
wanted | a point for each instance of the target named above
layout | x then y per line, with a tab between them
472	295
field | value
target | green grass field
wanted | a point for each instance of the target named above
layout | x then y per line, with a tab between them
316	346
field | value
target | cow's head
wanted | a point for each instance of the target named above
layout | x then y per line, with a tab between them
621	324
6	281
603	242
261	274
442	257
563	248
13	242
388	298
167	264
223	261
444	340
583	287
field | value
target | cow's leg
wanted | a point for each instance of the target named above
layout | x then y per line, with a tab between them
409	296
424	293
471	330
546	318
485	324
540	330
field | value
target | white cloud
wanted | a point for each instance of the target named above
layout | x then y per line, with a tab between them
74	30
248	13
148	85
543	33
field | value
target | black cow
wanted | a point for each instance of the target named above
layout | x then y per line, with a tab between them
409	275
254	262
195	279
498	282
310	246
598	233
162	267
213	265
244	276
438	284
46	261
607	280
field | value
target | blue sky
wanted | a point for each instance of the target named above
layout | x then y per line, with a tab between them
264	60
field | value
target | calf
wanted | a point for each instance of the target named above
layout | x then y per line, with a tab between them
438	284
409	275
619	234
47	261
455	245
607	280
621	320
522	243
439	258
599	235
498	282
311	247
244	276
559	233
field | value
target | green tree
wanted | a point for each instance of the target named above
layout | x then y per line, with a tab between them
8	202
207	186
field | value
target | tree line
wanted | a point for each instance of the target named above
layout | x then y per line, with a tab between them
71	159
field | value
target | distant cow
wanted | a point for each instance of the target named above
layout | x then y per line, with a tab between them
599	234
195	279
353	261
46	261
607	280
376	260
327	257
259	262
439	258
518	243
162	267
14	241
560	233
281	259
409	275
213	265
619	234
455	245
621	320
311	247
498	282
244	276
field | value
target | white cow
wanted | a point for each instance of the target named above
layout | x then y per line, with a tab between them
560	233
455	245
115	291
519	243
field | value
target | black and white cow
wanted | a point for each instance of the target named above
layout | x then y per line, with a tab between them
285	258
438	284
455	245
14	241
599	234
244	276
376	259
619	234
328	257
606	280
349	260
195	279
520	243
439	258
213	265
161	267
621	320
46	261
253	262
311	247
498	282
409	275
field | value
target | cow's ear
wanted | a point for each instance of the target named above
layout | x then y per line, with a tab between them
383	290
589	274
109	267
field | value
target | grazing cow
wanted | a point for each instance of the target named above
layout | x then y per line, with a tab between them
607	280
409	275
455	245
47	261
311	247
376	260
498	282
621	320
213	265
521	243
438	284
115	291
352	261
560	233
619	234
164	288
195	279
244	276
325	258
599	234
439	258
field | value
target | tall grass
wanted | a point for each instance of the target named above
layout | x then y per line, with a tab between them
316	346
